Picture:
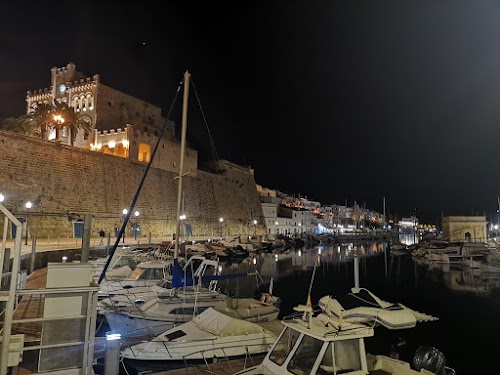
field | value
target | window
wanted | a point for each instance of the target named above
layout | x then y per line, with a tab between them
174	335
346	356
305	356
144	152
284	346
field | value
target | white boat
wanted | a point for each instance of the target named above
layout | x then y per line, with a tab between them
146	273
208	335
162	313
330	344
128	298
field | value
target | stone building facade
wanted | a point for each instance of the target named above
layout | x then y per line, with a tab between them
465	228
64	183
122	125
101	172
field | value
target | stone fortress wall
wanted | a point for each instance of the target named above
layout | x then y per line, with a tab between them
64	183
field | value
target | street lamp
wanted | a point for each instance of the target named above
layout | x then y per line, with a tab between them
254	227
276	223
124	212
28	205
221	220
136	213
1	197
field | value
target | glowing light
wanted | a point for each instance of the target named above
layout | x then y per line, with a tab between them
1	197
28	205
125	211
254	260
221	219
125	143
300	253
255	222
99	146
136	213
113	336
276	223
59	119
112	144
182	217
64	259
276	257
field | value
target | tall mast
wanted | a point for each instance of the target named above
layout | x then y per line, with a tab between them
181	165
385	221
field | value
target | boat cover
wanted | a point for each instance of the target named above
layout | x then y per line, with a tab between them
362	306
220	324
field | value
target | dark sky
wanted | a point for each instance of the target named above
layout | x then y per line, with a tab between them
333	100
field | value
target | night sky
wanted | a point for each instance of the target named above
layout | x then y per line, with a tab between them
334	100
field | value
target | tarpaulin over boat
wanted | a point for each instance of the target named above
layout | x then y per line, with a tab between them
362	306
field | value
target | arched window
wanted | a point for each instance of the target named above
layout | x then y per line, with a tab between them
144	152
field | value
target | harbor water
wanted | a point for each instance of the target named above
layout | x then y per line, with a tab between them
466	302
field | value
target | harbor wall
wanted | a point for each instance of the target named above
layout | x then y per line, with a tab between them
64	183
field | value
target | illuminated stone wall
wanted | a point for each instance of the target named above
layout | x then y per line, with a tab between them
459	228
64	183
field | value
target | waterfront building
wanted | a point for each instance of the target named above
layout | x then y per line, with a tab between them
465	228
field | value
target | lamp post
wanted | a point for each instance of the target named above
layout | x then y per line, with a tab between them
183	232
136	214
124	212
254	227
221	220
28	205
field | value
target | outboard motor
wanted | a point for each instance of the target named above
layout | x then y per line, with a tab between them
429	358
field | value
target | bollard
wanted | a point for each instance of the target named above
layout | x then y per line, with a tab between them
112	355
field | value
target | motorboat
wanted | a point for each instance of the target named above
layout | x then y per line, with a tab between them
146	273
162	313
332	341
209	335
128	298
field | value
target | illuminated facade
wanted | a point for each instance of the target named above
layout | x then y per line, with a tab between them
465	228
122	125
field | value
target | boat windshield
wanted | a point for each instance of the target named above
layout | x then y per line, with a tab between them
343	356
305	356
284	346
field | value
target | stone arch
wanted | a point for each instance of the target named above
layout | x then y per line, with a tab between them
467	236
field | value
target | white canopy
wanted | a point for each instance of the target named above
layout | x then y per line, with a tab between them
219	324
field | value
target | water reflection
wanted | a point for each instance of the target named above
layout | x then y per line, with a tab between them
334	258
456	295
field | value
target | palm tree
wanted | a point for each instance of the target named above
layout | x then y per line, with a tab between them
45	116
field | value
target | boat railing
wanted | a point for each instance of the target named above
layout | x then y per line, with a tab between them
210	362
